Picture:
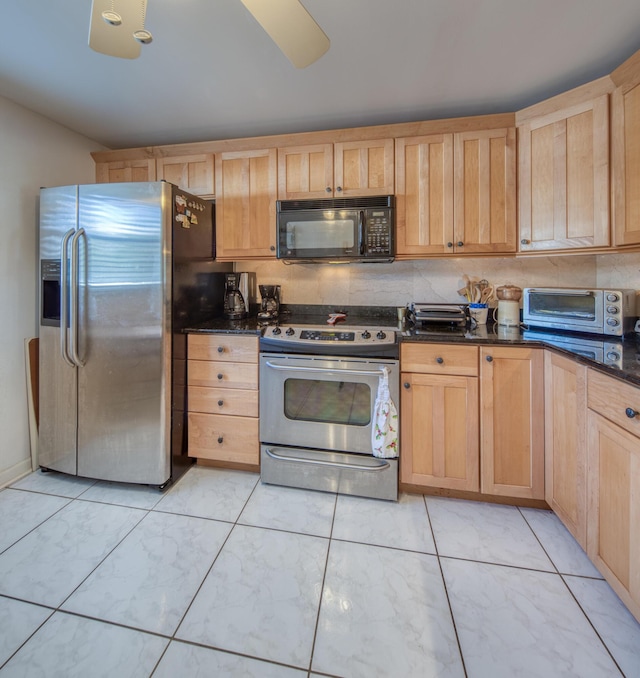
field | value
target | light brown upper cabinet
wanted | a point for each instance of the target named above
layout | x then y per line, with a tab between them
424	195
625	152
246	204
456	193
350	168
126	170
484	191
192	173
563	175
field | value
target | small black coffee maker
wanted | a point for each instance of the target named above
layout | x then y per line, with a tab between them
235	307
270	304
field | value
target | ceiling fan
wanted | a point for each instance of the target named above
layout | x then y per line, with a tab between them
117	28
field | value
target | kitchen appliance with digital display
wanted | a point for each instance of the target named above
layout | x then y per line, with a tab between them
337	230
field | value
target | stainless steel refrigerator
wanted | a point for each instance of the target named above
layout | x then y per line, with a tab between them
124	269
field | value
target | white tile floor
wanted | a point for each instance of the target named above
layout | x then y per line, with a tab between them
224	576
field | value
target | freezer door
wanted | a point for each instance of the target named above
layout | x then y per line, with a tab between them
124	334
58	387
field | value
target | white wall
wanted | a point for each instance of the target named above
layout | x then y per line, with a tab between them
35	152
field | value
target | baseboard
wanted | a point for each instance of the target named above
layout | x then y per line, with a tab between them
14	473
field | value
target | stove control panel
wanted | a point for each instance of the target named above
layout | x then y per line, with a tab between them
362	336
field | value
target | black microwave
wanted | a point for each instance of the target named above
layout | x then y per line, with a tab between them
337	230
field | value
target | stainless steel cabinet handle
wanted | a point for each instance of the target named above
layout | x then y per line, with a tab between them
73	316
324	370
301	460
64	297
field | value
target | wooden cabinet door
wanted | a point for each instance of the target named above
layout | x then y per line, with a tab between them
485	191
563	178
246	205
193	173
565	423
424	195
305	172
625	158
126	170
613	513
512	421
439	431
364	168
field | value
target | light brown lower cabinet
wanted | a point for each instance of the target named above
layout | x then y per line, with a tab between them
613	509
512	421
566	442
440	431
222	383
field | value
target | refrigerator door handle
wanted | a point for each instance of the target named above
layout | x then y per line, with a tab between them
73	316
64	296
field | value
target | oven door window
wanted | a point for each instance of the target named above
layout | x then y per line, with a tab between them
328	402
563	306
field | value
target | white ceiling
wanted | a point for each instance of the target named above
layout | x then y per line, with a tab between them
212	73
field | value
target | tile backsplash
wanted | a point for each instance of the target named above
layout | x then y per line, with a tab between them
436	280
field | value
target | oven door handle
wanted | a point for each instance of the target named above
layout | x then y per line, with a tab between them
325	370
381	466
561	293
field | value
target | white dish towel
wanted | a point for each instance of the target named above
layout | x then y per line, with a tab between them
384	429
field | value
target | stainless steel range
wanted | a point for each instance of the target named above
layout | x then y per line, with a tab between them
318	386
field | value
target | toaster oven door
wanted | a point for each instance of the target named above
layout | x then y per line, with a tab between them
564	309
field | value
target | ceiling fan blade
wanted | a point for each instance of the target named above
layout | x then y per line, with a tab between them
117	41
292	28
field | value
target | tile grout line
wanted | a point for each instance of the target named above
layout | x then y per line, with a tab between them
562	579
444	584
324	577
595	630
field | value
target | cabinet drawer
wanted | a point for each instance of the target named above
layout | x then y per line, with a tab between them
230	401
614	400
439	359
223	347
216	436
222	374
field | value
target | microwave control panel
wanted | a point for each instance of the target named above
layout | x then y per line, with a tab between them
378	239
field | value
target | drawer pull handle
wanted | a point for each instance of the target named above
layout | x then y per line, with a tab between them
439	360
220	349
489	359
221	376
631	413
460	243
407	385
220	439
220	403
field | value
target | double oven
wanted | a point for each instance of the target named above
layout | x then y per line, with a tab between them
318	387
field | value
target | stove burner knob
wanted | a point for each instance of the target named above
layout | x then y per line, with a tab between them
276	330
366	334
381	335
290	331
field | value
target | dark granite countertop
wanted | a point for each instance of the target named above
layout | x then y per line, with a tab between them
590	350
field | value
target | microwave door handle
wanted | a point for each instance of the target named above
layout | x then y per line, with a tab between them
361	232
